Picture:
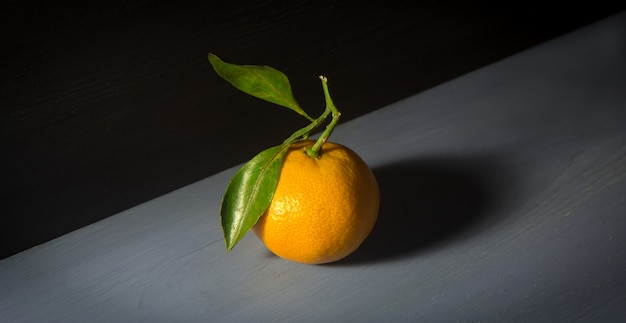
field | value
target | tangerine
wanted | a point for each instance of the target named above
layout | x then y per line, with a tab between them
323	208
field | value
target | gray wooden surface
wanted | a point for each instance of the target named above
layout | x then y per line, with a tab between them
106	104
503	199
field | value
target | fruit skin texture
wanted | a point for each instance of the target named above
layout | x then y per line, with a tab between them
323	208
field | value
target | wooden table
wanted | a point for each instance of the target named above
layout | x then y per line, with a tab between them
503	199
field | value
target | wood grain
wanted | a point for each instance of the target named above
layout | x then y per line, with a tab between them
108	104
502	200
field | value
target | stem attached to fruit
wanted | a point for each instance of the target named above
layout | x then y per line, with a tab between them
315	151
303	133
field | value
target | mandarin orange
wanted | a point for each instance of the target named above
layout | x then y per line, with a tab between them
323	208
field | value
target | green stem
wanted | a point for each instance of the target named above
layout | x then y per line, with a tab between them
315	151
304	132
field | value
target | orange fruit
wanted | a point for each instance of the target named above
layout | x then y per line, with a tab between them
323	208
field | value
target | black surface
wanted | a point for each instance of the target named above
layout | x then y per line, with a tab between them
107	104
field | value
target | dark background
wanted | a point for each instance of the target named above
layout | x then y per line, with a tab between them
108	104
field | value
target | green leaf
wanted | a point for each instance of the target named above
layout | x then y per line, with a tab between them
250	193
263	82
